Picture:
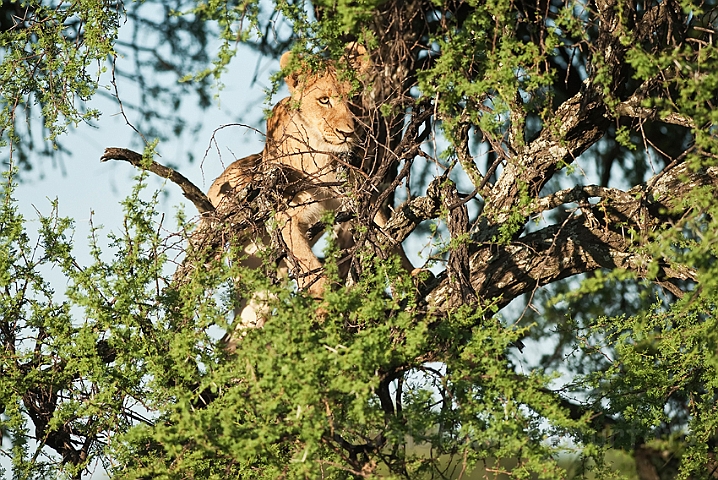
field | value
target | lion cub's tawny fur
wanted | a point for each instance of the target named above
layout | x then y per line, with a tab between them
305	132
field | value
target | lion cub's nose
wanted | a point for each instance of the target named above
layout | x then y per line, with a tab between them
344	132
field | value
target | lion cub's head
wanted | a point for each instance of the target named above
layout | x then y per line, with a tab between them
316	117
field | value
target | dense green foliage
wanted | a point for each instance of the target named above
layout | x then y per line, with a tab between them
566	325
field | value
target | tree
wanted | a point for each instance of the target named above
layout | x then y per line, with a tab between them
558	159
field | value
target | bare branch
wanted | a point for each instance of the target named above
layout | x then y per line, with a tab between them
633	108
579	193
189	189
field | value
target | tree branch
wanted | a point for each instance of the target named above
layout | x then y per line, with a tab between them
579	122
189	189
632	108
601	236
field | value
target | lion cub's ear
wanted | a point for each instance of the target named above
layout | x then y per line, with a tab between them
357	57
293	78
354	53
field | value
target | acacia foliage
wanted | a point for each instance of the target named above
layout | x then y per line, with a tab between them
57	55
581	137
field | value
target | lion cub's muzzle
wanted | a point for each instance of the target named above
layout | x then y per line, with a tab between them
341	138
345	134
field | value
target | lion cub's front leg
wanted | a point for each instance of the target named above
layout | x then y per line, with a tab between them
300	256
306	209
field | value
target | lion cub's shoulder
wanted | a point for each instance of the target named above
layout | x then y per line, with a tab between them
238	173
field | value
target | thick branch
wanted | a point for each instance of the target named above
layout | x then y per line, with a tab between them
579	122
458	225
633	108
410	214
189	189
577	194
597	238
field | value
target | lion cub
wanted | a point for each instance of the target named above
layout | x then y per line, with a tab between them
306	132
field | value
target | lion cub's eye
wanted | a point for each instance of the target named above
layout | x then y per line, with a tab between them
323	100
